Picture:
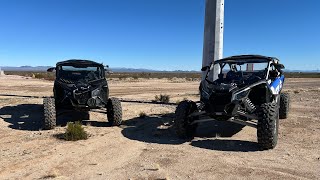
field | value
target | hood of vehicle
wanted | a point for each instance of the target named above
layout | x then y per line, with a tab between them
224	87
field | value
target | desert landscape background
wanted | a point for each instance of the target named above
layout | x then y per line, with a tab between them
147	148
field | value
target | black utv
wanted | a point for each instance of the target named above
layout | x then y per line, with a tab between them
247	91
80	85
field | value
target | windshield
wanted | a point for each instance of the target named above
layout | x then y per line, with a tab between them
245	67
240	72
88	73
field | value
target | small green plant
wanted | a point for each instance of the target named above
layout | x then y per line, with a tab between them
142	114
162	98
75	132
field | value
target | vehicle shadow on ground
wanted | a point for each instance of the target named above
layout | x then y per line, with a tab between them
158	129
218	131
151	129
226	145
23	116
29	117
96	123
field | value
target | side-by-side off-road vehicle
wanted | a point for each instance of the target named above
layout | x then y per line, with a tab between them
247	91
80	85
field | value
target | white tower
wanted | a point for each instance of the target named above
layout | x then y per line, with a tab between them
213	35
1	72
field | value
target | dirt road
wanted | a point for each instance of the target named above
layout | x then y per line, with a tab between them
147	148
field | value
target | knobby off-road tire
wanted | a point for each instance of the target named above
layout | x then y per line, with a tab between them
182	123
284	105
268	125
49	108
114	111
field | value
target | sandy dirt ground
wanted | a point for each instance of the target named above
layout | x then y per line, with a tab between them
147	148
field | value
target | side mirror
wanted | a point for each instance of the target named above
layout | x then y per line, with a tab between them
205	68
106	67
279	66
51	69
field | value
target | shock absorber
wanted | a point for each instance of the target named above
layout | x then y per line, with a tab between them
250	107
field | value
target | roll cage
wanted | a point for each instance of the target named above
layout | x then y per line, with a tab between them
274	68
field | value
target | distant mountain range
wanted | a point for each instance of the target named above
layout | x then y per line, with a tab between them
25	68
115	69
121	69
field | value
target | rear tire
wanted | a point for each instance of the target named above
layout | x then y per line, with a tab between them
114	112
268	126
50	121
284	105
182	122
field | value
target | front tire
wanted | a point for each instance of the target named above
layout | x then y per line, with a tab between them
182	122
268	126
50	121
284	105
114	111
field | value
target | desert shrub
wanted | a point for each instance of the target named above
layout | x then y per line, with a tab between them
142	114
42	75
75	132
162	98
38	76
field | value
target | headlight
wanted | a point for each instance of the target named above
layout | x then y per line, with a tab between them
241	94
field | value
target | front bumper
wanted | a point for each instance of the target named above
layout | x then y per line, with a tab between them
88	99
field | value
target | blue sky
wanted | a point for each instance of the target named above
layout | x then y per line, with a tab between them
155	34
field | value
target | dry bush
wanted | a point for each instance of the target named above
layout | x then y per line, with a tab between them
75	132
39	75
162	98
142	114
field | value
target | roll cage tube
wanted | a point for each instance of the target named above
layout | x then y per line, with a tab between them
278	66
100	69
208	69
268	70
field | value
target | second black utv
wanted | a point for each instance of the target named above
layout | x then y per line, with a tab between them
247	91
80	85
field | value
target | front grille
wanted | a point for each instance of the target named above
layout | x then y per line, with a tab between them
218	101
82	97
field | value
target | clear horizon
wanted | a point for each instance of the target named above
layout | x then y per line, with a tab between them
158	35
